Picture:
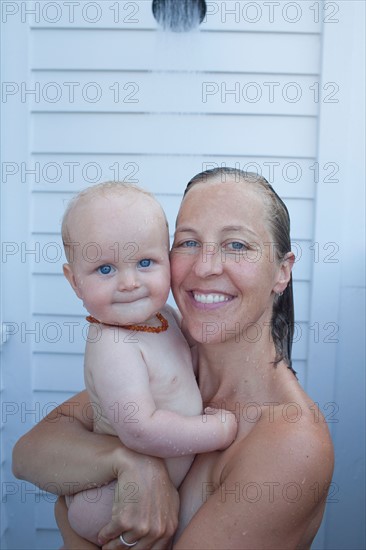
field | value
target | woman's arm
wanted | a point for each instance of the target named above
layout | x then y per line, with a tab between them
60	453
63	456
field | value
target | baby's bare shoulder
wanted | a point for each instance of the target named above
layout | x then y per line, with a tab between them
111	346
172	313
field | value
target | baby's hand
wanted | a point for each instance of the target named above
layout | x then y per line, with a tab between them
227	424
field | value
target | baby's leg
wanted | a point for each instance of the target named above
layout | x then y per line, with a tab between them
91	510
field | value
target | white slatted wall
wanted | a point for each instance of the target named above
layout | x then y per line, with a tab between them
126	100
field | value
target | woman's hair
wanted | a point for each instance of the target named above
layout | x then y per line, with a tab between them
282	322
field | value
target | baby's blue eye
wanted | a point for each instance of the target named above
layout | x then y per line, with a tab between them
145	263
105	269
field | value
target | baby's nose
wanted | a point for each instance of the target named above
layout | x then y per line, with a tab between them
128	281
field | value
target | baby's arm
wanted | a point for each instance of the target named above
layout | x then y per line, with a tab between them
121	380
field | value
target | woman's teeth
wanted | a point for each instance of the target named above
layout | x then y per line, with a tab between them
210	298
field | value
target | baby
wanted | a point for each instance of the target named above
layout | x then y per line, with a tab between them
138	366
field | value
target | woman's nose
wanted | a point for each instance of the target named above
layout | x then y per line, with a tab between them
209	262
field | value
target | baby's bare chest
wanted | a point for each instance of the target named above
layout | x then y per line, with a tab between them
172	380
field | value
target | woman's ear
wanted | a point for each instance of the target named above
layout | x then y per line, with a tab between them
284	273
71	278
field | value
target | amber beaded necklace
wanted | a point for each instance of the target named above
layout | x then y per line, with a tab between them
136	328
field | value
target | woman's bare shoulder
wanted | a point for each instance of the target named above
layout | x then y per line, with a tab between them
281	471
293	434
288	459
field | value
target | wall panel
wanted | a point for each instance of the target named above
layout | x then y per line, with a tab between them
196	108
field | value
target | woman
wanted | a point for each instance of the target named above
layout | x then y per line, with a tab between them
231	278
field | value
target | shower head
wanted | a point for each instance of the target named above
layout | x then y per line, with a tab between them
179	15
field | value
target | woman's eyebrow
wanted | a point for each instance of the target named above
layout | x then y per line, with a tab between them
185	230
228	228
225	229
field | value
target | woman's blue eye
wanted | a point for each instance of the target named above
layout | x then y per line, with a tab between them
144	263
190	243
237	245
105	269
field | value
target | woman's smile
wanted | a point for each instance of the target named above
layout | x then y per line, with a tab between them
212	299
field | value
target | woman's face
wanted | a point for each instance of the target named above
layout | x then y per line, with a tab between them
224	271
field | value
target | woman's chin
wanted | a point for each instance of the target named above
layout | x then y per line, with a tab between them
206	332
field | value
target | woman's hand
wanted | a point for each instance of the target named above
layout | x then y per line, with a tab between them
145	507
63	455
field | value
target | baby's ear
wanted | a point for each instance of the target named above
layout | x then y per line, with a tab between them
71	278
285	272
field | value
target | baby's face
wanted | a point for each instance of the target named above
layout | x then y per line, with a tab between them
120	266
